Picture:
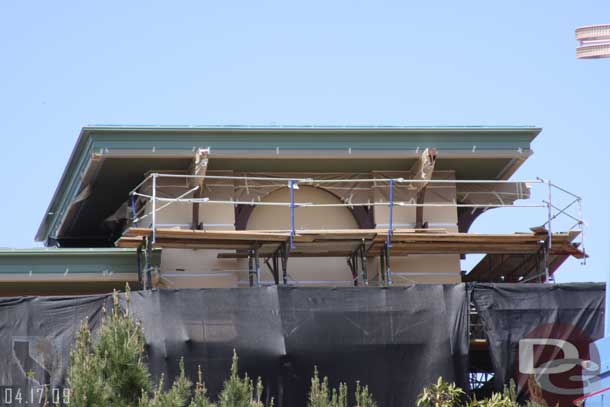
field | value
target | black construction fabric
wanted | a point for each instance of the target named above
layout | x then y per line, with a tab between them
36	334
395	340
204	326
509	312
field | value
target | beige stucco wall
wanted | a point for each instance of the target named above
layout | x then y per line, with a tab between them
423	269
184	268
201	268
307	271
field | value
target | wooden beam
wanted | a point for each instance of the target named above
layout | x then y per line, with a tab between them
422	170
342	243
199	168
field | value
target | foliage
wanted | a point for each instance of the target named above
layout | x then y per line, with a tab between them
441	394
177	396
240	392
200	397
321	395
445	394
363	397
112	372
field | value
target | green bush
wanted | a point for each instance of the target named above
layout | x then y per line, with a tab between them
240	392
321	395
445	394
441	394
112	372
200	396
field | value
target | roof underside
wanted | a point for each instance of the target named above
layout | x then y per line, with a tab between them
108	162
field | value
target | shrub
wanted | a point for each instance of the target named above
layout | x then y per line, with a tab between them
240	392
321	395
445	394
113	372
441	394
200	398
177	396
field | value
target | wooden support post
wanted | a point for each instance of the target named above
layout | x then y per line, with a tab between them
274	266
257	267
382	267
388	270
284	254
547	260
195	220
365	277
251	267
419	210
148	262
139	266
199	168
352	262
422	170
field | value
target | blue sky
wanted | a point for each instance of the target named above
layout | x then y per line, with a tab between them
68	64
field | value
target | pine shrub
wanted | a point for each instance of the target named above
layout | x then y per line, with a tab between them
112	372
200	397
321	395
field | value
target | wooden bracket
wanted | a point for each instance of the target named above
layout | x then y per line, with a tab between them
199	168
422	170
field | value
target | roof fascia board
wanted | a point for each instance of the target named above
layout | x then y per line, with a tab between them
320	154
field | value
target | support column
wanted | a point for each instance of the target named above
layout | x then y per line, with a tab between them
139	266
419	209
251	267
382	276
365	276
276	267
199	168
148	262
352	262
284	254
388	270
422	171
257	267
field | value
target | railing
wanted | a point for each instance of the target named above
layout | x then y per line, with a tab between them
562	208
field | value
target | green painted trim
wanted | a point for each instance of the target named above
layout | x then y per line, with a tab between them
73	261
359	138
51	251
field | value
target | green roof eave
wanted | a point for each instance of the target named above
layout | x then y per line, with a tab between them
100	138
53	251
73	260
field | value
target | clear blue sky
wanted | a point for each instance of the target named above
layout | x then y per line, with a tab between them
68	64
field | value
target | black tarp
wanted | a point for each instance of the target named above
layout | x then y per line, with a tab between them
512	312
395	340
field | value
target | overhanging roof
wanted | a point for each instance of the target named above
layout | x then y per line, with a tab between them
51	271
98	160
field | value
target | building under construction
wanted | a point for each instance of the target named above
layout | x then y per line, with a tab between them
365	227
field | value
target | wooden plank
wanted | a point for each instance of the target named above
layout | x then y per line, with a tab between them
130	242
342	242
211	234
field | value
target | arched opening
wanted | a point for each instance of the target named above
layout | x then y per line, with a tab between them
278	217
307	271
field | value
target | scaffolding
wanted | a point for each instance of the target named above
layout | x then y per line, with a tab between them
273	247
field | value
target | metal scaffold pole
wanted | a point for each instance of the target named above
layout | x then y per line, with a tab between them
154	208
